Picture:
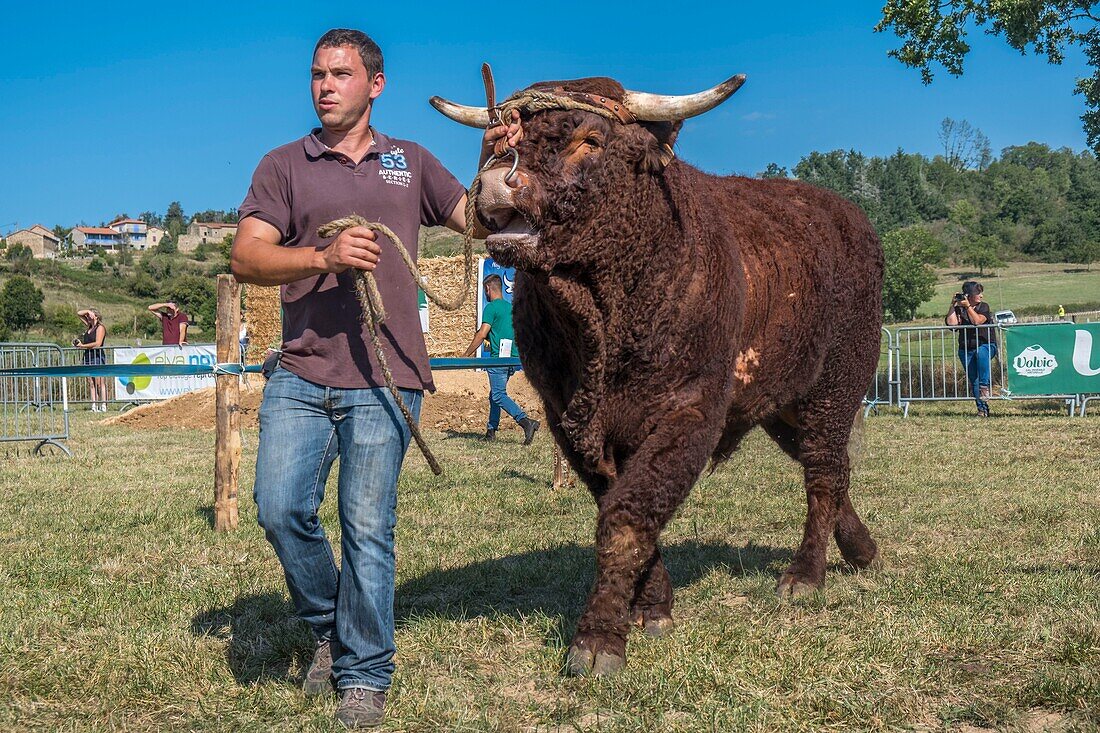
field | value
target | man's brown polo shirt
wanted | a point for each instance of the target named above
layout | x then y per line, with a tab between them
301	186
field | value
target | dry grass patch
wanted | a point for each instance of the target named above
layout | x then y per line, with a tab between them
123	610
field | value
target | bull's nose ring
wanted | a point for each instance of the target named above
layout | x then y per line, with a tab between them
515	164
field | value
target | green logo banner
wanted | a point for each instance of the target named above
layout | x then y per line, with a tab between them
1062	358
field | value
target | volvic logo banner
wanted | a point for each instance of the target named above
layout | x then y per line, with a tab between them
159	388
1063	358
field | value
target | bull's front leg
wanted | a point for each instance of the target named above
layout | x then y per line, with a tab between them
652	606
649	487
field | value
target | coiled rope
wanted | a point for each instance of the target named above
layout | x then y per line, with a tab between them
374	311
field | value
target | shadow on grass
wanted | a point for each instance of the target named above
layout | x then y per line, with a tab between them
555	581
265	639
452	434
207	513
526	477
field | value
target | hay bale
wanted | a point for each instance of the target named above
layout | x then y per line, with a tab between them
263	312
450	331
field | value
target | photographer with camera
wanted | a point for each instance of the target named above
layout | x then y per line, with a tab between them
977	346
91	341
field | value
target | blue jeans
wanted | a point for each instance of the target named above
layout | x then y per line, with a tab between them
977	363
498	396
304	427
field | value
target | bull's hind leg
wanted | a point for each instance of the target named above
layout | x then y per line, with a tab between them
851	534
821	442
652	605
649	487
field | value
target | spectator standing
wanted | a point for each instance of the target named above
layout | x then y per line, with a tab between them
496	326
173	323
91	341
977	346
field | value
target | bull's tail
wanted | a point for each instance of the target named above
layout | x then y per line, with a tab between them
855	440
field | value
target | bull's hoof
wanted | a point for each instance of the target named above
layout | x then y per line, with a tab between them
653	622
862	557
792	586
659	626
582	662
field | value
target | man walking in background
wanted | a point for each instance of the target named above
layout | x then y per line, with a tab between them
496	326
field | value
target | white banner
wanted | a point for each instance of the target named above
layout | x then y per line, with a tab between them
159	388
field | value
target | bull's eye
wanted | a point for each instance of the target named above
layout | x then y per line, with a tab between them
592	142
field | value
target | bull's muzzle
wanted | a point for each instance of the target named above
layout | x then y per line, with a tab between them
496	201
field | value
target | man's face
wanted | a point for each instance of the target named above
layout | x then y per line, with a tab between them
341	87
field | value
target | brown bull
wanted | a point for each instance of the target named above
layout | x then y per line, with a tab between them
662	313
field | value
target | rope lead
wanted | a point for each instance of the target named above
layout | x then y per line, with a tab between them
374	312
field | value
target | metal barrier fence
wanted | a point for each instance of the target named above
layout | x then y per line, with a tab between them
884	388
29	405
930	364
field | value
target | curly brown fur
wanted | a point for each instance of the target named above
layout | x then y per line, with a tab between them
664	313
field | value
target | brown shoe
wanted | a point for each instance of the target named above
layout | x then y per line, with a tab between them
361	708
318	679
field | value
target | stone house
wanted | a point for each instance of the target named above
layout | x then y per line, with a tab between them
42	242
205	232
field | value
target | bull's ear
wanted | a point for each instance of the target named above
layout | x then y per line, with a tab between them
659	147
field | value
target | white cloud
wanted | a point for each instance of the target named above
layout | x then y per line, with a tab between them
757	116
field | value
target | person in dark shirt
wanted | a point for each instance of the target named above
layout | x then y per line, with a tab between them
173	323
327	398
496	326
977	340
92	342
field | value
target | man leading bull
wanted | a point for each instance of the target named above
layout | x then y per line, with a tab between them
327	398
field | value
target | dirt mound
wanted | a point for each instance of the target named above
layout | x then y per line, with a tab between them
460	403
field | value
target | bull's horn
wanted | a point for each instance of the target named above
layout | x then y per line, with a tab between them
669	107
472	116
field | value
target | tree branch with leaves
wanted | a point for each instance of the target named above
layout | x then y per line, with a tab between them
935	32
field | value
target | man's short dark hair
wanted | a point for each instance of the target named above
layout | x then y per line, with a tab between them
368	49
494	280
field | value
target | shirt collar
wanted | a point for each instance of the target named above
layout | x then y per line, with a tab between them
315	148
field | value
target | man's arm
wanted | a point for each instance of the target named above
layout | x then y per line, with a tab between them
155	309
479	338
258	258
183	333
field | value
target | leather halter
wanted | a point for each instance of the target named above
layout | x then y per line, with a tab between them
614	106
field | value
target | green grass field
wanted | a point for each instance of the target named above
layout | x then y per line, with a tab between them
1020	285
122	610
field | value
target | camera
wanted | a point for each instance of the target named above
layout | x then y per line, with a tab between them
958	297
76	341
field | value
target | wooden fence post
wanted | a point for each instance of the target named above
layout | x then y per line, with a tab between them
227	450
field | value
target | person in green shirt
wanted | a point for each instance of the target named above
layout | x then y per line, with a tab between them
496	327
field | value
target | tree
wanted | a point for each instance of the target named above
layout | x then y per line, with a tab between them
908	279
1085	252
20	304
964	146
981	252
774	170
174	221
152	218
216	216
934	32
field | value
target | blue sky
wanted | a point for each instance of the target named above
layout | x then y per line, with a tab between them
121	107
